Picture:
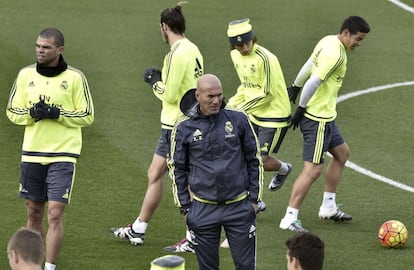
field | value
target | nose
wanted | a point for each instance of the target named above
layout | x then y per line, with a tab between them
245	47
216	100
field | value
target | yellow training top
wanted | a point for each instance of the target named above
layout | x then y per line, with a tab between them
47	140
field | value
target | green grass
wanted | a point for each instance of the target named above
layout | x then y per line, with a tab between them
114	41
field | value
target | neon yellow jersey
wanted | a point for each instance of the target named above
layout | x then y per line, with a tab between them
329	64
47	140
182	67
262	92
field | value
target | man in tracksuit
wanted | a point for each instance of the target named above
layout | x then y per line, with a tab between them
215	154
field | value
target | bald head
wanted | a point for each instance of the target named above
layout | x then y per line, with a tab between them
208	81
209	94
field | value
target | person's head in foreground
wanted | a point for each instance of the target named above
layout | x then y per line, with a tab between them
305	251
25	250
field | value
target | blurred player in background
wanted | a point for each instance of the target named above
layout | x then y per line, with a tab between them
53	101
262	95
321	77
182	66
26	250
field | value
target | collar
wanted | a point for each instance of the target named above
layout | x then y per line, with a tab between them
52	71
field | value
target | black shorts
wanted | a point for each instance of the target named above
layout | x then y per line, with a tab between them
270	139
51	182
164	143
319	137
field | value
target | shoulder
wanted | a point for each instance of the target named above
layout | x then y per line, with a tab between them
182	121
262	50
329	41
75	70
27	69
266	55
184	45
329	45
75	73
232	110
235	113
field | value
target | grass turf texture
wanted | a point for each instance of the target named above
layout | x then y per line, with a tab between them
114	41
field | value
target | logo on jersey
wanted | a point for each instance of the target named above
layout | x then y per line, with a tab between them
228	127
253	68
198	71
64	85
197	135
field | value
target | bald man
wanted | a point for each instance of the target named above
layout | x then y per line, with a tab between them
215	154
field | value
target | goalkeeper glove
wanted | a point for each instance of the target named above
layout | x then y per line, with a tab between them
295	119
152	75
293	92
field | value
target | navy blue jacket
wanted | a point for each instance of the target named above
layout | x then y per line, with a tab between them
217	156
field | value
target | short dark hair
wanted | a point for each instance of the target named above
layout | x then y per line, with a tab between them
28	244
308	248
55	33
355	24
174	18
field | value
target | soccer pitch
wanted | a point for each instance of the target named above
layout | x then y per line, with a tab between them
113	42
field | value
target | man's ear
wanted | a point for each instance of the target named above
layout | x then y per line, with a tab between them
296	263
61	49
14	256
164	27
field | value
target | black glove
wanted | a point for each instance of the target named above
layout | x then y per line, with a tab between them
39	110
53	112
152	75
293	92
295	119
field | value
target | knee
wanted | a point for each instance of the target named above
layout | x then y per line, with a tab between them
266	160
314	174
35	215
311	172
344	155
55	215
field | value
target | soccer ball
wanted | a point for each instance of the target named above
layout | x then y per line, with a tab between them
393	234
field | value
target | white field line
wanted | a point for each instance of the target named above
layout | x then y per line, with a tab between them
402	5
358	168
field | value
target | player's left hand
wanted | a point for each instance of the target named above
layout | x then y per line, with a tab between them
53	112
293	92
152	75
295	119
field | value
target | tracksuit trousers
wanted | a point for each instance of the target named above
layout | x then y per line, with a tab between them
205	221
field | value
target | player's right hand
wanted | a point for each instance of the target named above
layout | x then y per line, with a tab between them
293	92
39	110
295	119
152	75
